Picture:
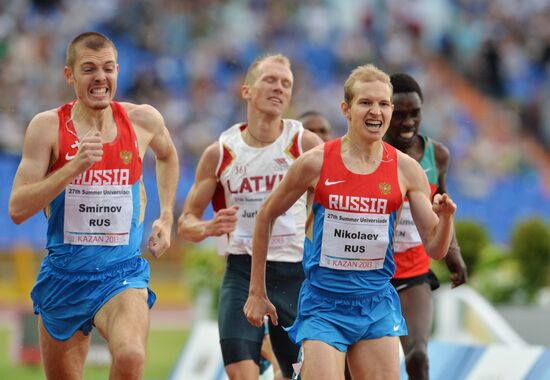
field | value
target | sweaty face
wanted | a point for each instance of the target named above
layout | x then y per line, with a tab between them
406	119
318	125
371	108
272	90
94	77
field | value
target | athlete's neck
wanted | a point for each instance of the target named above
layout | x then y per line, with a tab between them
368	151
100	120
413	147
416	148
260	133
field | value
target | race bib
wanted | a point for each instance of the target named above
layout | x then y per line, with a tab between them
406	234
354	241
98	215
283	229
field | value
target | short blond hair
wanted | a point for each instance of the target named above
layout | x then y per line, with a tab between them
90	40
365	73
253	70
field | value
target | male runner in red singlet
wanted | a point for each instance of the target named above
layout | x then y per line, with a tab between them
356	187
413	279
82	164
236	174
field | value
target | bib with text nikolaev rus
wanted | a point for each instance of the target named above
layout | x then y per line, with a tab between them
352	224
353	240
101	206
247	176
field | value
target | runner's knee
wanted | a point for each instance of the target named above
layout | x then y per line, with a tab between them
129	357
417	363
243	370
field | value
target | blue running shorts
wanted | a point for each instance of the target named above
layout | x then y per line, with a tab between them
68	301
341	320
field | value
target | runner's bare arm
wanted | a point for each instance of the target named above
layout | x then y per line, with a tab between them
191	227
302	176
433	221
33	189
151	131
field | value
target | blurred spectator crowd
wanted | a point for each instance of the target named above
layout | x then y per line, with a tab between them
187	58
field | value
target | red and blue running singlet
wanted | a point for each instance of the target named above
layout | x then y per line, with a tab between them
96	221
349	236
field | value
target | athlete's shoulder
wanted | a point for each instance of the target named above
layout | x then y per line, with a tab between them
42	131
313	158
232	131
440	149
406	163
139	108
212	152
291	123
144	115
45	122
47	117
410	173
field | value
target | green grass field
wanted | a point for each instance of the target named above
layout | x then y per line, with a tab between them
163	350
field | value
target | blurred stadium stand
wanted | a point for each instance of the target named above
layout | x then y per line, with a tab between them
483	67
